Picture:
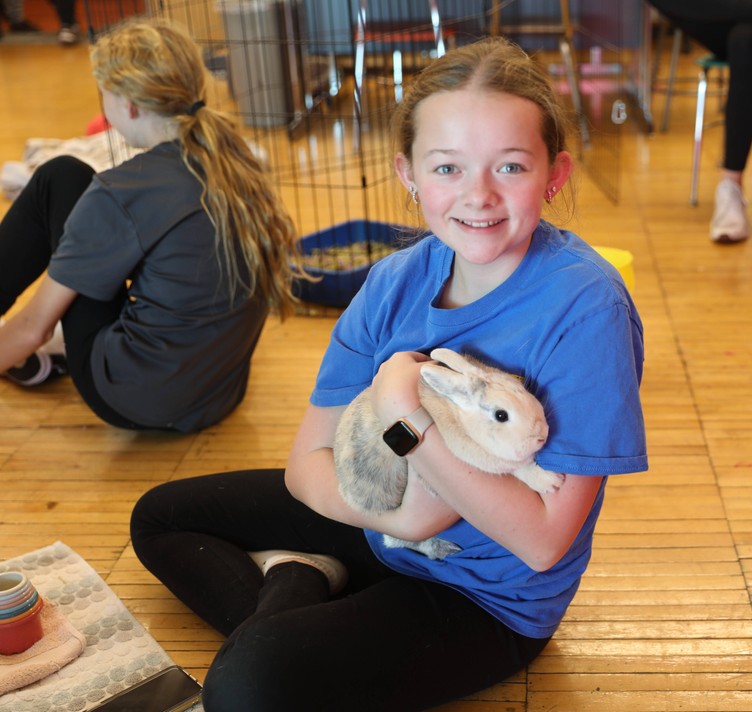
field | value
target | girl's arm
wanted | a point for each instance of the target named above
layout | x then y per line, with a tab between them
539	529
310	477
34	324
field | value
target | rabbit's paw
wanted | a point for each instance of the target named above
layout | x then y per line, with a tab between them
433	548
436	547
540	480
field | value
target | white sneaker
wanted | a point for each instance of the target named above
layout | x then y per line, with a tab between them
729	223
39	367
69	35
333	569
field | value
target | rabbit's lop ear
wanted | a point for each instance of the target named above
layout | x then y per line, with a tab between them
457	362
454	386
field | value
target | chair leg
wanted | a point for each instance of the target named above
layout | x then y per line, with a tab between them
397	77
574	87
359	73
438	32
675	50
570	63
702	87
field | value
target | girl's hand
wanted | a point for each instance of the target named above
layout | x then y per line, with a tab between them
310	477
34	324
394	391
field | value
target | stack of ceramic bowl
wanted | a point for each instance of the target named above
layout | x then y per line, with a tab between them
20	606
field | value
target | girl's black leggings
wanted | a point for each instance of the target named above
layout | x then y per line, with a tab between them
725	28
387	642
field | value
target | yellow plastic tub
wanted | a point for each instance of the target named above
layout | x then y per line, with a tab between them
623	260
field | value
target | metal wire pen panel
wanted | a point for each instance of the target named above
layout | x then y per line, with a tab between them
313	84
102	14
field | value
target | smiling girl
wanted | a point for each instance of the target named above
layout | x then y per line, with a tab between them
480	145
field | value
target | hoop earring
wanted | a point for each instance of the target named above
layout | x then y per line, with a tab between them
551	194
414	195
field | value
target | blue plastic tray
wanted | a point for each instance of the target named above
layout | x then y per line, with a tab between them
337	287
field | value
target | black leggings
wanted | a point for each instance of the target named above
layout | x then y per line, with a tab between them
725	28
66	11
29	234
387	642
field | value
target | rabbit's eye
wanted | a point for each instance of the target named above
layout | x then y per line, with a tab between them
501	416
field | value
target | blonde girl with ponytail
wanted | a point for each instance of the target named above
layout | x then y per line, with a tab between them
163	269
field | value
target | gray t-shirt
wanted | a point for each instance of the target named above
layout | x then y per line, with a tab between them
179	354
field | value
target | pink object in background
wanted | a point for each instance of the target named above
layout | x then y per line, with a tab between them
98	124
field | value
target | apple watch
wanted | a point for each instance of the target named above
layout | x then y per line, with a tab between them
407	433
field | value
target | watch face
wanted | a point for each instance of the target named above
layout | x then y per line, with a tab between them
400	438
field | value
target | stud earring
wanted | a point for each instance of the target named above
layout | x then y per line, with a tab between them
414	195
551	194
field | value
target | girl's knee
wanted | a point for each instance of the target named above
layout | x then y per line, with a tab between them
142	509
68	168
147	516
261	668
238	678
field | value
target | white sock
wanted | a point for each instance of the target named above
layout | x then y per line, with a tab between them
56	344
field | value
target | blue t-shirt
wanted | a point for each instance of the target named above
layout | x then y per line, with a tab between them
564	321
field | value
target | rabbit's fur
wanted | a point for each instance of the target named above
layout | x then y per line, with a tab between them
486	417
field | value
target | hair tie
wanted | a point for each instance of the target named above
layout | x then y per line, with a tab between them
195	107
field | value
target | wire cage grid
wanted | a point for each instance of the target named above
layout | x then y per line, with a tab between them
313	84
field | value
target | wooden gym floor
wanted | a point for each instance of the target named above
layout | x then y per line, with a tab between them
663	618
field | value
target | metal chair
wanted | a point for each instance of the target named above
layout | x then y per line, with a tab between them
707	64
560	26
397	36
667	85
394	38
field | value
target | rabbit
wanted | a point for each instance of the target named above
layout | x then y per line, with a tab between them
486	417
